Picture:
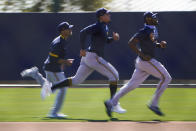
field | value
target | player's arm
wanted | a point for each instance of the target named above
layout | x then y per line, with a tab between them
110	39
115	37
162	44
56	52
54	57
83	34
133	45
67	62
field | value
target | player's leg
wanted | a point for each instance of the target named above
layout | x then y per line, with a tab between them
112	75
55	77
159	71
82	73
34	73
137	78
106	69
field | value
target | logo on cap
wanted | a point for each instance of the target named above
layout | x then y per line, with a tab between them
101	12
63	26
149	14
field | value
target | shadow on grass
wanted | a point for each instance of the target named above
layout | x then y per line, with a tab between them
106	120
156	121
73	119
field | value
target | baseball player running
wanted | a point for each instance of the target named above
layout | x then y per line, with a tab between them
54	66
93	58
145	65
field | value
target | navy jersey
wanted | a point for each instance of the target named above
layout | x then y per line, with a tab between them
99	37
147	46
57	51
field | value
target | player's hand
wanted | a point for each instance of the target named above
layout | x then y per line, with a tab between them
82	53
116	36
69	62
163	44
146	57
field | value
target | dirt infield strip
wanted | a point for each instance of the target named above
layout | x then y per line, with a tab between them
97	126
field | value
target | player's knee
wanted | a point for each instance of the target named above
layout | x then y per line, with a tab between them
77	80
167	79
114	77
117	76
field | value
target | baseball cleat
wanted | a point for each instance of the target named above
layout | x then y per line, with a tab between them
57	115
108	107
46	89
118	109
29	72
156	110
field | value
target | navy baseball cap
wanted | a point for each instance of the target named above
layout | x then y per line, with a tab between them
101	12
150	14
63	26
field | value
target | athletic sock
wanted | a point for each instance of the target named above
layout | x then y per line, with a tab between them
113	89
62	84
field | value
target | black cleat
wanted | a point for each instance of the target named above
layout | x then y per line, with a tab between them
156	110
108	107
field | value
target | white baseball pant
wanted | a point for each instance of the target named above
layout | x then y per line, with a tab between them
54	77
142	70
92	62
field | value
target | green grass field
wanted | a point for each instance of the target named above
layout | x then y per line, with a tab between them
86	104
